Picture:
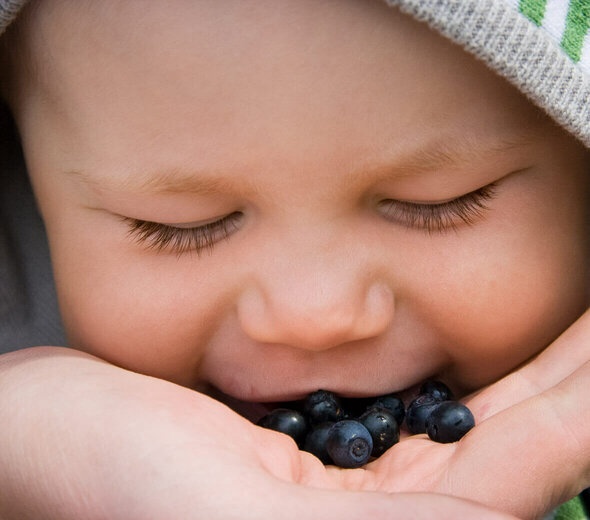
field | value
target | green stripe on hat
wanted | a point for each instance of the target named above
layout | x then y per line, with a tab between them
533	9
577	23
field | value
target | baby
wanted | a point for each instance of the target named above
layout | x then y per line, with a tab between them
255	200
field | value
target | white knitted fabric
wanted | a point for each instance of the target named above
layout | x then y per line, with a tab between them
8	11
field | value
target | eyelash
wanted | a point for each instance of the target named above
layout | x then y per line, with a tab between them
182	240
441	216
430	217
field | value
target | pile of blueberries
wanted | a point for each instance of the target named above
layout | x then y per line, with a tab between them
349	432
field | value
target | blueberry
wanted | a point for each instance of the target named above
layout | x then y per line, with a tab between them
438	390
315	442
349	444
323	406
289	422
383	428
391	403
418	412
449	422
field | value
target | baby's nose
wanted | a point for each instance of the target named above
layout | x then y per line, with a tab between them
315	314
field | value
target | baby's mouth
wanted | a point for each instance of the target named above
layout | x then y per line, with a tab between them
253	411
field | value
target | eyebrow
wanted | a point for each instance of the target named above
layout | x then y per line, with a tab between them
171	180
443	153
434	156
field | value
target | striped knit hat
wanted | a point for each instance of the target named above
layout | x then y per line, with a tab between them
8	11
541	46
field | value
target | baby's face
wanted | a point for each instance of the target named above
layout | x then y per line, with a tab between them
277	196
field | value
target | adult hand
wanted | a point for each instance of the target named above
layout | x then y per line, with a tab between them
85	440
530	448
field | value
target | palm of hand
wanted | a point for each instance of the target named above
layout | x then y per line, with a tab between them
529	451
267	471
162	451
486	466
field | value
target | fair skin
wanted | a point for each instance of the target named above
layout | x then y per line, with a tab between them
347	265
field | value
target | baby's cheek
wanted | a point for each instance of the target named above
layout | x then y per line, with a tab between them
507	312
121	311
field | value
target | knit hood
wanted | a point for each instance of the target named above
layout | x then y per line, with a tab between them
540	46
8	11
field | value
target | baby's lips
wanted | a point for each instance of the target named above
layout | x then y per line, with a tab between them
253	411
249	410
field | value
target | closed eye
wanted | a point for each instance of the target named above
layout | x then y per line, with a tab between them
440	216
164	237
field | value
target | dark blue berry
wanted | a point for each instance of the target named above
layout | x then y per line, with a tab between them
391	403
349	444
449	422
289	422
315	442
383	428
418	412
323	406
438	390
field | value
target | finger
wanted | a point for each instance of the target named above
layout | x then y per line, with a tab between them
566	354
537	453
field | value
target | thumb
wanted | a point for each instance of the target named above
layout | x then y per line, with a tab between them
541	446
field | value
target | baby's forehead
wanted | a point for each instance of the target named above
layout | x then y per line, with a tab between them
220	87
220	36
229	35
280	47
